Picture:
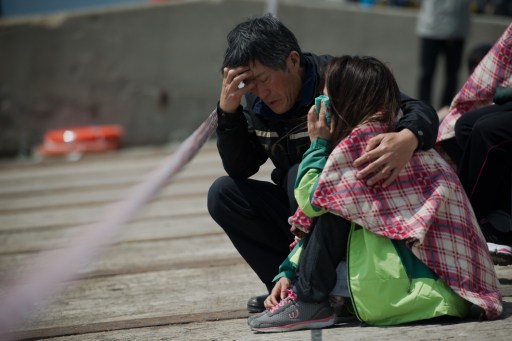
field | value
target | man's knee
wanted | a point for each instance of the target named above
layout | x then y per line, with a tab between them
217	196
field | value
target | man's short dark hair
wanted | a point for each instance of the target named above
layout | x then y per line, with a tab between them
264	39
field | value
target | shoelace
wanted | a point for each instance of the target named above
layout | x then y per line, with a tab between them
291	296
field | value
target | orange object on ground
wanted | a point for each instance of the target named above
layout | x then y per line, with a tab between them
81	140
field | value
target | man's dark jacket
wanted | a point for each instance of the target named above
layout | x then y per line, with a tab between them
245	141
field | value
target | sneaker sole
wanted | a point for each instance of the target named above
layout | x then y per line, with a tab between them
500	254
313	324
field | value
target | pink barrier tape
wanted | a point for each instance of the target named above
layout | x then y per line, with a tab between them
47	275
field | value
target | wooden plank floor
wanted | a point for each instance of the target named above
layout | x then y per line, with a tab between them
171	274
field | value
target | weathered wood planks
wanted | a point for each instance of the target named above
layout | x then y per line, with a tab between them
171	274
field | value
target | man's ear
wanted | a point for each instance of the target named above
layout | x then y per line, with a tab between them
294	60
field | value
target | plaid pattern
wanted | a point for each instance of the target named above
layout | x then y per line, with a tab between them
425	205
494	70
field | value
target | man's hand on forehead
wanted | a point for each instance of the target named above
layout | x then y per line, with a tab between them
238	75
234	86
248	78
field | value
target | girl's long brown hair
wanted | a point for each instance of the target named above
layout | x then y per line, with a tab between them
360	89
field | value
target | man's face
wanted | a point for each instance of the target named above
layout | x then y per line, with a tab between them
278	89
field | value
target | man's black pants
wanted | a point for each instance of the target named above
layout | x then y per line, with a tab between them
254	214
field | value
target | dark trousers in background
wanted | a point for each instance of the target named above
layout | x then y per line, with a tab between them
430	49
482	148
485	168
254	214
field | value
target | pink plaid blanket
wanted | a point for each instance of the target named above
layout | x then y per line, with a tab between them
425	205
494	70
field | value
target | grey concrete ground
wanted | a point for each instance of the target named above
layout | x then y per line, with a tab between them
171	273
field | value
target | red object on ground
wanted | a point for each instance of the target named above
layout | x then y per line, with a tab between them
81	140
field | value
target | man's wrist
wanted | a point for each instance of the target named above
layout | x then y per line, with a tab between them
221	111
408	134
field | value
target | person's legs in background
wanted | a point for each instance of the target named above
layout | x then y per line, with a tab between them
429	50
453	52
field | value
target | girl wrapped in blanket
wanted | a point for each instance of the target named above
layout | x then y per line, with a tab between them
411	250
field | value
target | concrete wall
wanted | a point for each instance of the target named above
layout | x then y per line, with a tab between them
155	69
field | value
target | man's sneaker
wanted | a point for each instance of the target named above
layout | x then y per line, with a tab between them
256	304
292	314
500	254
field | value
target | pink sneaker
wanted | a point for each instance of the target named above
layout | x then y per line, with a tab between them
292	314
